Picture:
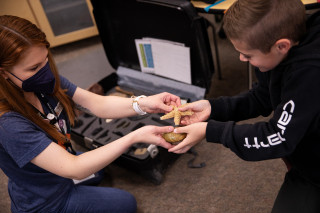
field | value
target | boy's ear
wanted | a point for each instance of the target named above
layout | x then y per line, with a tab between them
283	45
3	73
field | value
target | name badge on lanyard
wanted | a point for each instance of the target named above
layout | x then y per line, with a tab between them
60	124
58	109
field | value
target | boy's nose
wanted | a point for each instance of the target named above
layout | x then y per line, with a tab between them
243	58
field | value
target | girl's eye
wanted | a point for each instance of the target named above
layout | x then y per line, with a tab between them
34	68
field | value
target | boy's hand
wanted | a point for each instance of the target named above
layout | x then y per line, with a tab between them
201	109
195	133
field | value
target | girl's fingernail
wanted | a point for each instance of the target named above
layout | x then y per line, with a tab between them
175	130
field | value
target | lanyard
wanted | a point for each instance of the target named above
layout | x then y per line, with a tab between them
55	121
52	116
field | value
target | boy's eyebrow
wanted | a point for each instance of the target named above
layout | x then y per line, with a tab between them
246	55
240	52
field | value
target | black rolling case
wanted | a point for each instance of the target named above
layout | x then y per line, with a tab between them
120	22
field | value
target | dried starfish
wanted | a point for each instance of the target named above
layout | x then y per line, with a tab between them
176	114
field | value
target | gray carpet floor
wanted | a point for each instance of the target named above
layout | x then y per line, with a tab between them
226	184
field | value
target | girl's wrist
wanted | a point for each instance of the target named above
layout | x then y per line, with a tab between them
137	106
133	138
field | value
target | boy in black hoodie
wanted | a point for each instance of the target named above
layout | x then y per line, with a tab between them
275	37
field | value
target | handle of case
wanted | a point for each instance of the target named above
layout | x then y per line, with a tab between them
119	89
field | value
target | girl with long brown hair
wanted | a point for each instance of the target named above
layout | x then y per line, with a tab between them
36	109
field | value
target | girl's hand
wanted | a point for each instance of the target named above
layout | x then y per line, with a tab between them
151	135
160	103
195	133
201	109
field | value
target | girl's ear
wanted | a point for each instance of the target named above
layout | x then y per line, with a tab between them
3	73
283	45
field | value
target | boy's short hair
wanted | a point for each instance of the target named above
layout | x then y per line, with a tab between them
260	23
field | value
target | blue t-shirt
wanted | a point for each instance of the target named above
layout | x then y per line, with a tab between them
31	188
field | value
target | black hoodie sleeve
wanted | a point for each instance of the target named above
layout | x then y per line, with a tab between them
295	115
244	106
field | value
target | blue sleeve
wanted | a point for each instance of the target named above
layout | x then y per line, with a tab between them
21	139
66	84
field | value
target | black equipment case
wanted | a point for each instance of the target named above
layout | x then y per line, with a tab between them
119	23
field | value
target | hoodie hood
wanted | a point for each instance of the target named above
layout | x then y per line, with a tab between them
308	49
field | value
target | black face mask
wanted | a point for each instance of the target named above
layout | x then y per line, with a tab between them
43	81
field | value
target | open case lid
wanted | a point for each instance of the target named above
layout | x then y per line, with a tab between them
120	22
